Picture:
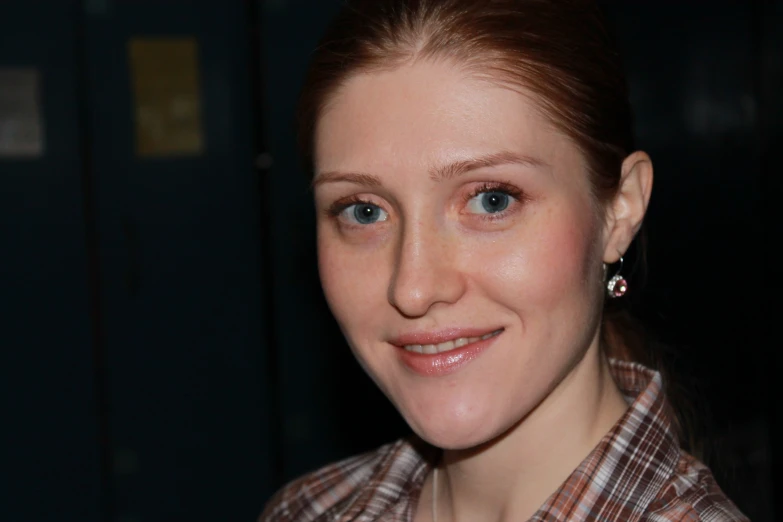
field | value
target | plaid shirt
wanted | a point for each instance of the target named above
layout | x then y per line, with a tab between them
636	473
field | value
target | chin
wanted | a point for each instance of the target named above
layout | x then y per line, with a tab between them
459	441
457	432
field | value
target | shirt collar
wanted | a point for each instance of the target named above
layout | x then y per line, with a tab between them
624	473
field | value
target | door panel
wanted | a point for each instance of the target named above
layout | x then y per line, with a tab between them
180	257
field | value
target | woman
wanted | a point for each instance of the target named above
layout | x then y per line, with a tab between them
476	189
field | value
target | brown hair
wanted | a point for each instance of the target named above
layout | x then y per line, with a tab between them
558	50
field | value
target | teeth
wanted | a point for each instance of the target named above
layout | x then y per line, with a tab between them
445	347
448	345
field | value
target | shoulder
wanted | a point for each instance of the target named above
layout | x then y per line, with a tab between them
339	487
310	495
692	494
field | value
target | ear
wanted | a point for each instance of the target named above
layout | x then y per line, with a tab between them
625	213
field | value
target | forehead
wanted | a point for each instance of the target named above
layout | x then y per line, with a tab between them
428	113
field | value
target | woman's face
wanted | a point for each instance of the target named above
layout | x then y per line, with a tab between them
453	218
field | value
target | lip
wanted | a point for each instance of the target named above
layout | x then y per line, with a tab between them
444	363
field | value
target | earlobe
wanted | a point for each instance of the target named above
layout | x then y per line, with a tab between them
629	205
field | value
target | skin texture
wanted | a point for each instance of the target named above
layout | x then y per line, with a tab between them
519	417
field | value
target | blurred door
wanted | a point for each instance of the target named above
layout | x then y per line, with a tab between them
177	206
49	457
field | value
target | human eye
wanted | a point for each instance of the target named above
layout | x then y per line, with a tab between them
358	212
492	198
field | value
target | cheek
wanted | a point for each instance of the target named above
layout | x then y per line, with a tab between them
356	295
552	263
351	278
333	273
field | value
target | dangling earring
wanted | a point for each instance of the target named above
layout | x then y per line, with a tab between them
617	286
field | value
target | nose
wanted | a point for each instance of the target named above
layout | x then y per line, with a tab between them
426	272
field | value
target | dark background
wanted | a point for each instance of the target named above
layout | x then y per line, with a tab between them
166	351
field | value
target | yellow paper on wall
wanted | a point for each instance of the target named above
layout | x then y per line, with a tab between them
167	97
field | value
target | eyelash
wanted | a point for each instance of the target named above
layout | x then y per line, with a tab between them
495	186
337	208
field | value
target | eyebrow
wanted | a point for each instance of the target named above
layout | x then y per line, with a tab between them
505	157
351	177
438	173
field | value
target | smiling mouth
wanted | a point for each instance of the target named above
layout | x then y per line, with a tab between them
452	344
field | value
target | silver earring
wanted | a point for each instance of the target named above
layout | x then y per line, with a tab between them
617	286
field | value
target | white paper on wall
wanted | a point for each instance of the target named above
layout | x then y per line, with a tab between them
21	129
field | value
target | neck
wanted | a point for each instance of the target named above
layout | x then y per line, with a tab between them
511	477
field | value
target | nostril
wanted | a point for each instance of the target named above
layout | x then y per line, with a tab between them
415	292
425	272
410	298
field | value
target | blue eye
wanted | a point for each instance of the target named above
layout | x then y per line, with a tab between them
365	213
490	202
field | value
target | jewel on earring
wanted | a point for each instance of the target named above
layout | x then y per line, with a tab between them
617	286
